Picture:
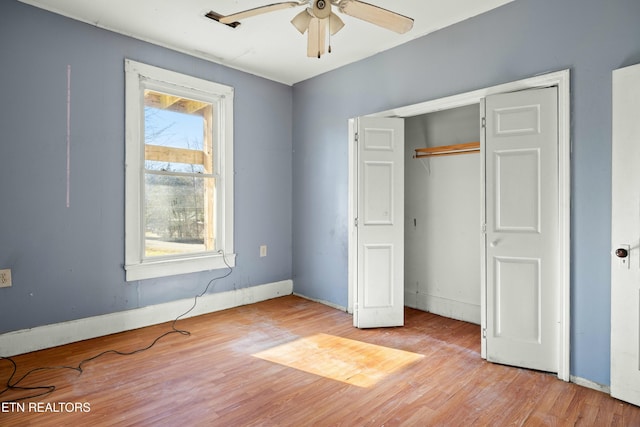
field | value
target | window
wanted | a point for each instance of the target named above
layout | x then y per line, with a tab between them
179	173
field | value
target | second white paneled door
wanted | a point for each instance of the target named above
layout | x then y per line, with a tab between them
522	223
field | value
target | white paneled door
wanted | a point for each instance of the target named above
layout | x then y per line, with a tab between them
625	236
522	229
379	299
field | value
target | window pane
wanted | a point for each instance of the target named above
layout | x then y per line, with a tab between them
177	219
178	138
172	129
177	133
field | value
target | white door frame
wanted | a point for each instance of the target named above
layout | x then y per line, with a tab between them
559	79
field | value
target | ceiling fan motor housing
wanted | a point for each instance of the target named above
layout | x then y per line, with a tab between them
321	9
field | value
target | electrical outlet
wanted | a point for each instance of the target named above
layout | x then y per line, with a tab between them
5	278
263	251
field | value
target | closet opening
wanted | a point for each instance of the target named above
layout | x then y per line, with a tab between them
442	199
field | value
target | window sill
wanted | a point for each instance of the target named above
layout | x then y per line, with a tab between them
172	267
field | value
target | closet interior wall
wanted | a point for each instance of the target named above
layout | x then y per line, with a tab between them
442	216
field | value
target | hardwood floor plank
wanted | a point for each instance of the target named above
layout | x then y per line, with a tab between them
213	377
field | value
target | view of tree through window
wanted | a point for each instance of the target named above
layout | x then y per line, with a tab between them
179	182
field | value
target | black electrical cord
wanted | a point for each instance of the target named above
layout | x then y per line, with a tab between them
48	389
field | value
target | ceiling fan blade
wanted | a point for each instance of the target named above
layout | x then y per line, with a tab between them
259	11
301	21
335	23
376	15
316	37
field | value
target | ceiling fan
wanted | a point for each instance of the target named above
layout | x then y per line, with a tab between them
318	19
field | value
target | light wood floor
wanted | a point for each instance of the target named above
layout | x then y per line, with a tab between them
222	375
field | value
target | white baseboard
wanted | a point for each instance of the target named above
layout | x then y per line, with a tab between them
41	337
590	384
327	303
453	309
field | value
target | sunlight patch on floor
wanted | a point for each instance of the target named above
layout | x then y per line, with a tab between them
341	359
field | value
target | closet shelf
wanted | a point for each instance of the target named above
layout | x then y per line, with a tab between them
448	150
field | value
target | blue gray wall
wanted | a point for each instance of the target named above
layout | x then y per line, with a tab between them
67	262
518	40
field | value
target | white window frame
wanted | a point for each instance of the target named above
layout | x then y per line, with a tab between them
139	77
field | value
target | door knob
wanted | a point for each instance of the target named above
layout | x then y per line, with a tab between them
622	253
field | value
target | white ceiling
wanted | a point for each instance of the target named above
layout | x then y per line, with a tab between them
266	45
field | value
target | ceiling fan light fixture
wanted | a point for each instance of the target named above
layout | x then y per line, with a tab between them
301	21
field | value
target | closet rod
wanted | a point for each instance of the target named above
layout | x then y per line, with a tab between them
448	150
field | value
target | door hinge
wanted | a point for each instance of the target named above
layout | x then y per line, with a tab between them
356	137
355	222
483	228
484	122
484	332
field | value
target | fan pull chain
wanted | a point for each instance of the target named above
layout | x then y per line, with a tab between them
320	41
329	49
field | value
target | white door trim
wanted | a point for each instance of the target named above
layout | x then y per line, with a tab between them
561	79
